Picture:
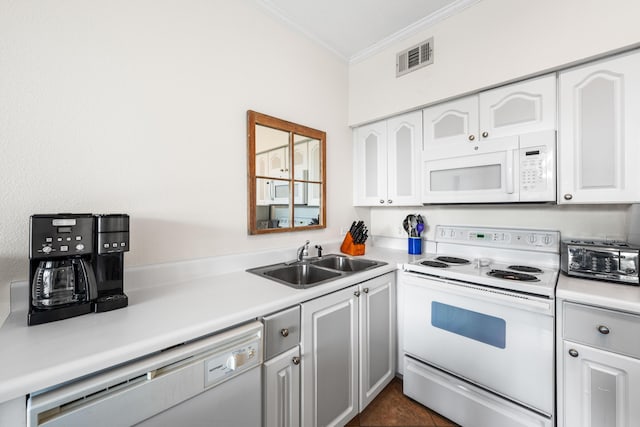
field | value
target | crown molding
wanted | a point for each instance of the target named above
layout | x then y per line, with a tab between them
275	11
412	29
424	23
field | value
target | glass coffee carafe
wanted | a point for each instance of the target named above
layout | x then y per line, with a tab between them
59	282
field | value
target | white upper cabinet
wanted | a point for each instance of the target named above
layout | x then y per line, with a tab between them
525	107
387	159
452	122
599	135
464	124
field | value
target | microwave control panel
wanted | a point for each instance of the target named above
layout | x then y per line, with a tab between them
533	169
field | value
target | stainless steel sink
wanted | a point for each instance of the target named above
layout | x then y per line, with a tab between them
301	274
343	263
314	271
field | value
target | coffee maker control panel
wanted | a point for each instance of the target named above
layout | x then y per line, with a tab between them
112	233
60	236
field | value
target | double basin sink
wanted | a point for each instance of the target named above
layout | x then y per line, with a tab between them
314	271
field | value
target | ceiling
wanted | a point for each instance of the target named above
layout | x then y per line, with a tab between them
354	29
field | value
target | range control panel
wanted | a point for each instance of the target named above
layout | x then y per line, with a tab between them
60	235
507	238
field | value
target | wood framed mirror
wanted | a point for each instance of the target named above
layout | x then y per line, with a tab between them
286	175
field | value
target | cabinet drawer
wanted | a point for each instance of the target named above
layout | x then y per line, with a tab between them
281	331
607	329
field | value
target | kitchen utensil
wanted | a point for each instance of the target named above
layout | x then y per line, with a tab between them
420	228
405	225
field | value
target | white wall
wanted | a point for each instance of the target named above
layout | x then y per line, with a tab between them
491	42
139	106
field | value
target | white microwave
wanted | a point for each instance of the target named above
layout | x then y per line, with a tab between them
519	168
279	191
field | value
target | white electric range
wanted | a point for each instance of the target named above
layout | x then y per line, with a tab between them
479	326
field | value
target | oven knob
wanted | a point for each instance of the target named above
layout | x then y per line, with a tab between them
547	239
532	238
573	353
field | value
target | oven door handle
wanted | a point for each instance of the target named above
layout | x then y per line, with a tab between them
496	296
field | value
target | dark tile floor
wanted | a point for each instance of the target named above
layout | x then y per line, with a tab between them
392	408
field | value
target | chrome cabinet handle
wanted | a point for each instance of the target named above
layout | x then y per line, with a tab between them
389	201
568	196
573	353
357	293
472	137
381	201
296	360
365	290
284	332
603	330
485	134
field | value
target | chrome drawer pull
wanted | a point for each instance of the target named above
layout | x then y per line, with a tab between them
284	332
603	329
573	353
296	360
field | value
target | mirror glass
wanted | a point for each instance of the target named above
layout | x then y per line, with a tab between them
286	175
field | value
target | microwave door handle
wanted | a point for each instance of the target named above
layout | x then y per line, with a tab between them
272	195
509	171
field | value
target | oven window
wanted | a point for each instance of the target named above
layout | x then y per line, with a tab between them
477	326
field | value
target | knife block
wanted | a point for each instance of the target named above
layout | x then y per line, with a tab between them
350	248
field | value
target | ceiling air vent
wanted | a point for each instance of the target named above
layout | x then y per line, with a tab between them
414	58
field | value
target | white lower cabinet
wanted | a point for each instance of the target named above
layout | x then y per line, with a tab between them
348	350
282	390
281	369
601	388
598	367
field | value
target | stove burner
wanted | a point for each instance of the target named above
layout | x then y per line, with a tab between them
513	275
525	269
452	260
437	264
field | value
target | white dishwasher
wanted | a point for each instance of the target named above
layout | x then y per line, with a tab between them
214	381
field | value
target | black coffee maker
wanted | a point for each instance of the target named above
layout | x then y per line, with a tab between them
61	278
76	265
111	242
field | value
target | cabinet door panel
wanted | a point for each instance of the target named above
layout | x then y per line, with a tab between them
370	165
599	131
601	389
282	390
377	336
403	164
452	122
329	360
528	106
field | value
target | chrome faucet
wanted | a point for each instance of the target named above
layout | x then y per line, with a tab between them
303	251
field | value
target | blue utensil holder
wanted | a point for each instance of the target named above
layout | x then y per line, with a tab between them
415	245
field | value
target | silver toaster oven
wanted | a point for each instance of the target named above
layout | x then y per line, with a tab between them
600	259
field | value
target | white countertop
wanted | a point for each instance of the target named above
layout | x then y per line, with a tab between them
603	294
158	316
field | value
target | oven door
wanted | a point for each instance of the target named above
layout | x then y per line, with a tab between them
499	340
485	173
